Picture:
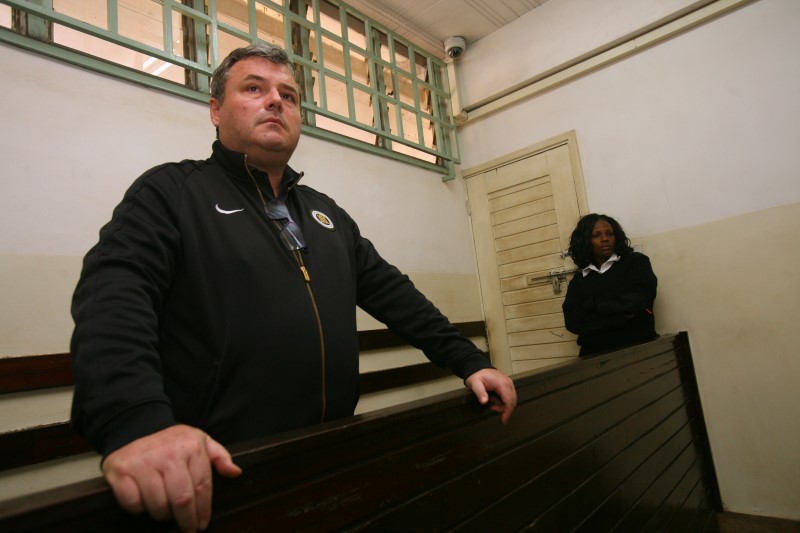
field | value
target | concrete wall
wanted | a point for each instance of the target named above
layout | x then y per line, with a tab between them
692	145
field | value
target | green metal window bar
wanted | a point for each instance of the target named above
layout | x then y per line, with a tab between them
361	85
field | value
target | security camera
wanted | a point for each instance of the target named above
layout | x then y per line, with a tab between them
455	46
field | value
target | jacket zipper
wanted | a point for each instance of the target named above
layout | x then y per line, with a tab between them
304	271
299	257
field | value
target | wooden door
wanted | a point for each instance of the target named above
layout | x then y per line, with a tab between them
523	209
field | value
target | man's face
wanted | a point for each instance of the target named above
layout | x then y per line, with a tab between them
260	115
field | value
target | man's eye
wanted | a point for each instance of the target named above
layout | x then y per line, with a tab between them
289	97
252	89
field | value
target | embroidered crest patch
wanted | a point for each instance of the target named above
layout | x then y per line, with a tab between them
322	219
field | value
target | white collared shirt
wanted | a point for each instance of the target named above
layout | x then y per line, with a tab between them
603	268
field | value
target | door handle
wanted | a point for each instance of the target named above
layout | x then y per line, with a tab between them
555	278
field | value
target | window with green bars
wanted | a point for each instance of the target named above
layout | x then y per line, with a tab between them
361	85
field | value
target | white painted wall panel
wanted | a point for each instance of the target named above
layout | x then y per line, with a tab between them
692	145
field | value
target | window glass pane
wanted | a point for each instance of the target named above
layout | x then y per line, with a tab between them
5	16
336	95
329	17
401	56
428	134
93	12
141	20
410	130
356	31
333	54
234	13
228	43
270	25
421	67
117	54
359	68
405	89
413	152
341	128
363	103
178	36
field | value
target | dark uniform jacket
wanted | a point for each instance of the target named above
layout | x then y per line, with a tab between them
191	310
596	305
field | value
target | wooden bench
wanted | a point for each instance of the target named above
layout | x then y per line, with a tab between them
613	442
54	441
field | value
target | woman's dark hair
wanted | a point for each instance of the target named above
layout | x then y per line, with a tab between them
580	242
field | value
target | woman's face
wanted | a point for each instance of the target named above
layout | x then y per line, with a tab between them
603	241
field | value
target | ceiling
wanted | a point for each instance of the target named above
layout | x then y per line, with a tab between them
428	23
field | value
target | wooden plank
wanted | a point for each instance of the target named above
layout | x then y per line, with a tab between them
44	443
365	488
31	372
586	436
689	508
588	497
685	481
652	497
527	504
381	380
619	503
383	338
492	478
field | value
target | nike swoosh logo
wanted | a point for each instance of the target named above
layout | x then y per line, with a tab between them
226	212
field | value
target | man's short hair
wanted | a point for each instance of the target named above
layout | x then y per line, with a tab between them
223	71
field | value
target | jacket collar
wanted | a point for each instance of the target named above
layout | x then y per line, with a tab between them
234	164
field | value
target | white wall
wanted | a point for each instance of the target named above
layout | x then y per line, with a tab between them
551	35
74	140
692	145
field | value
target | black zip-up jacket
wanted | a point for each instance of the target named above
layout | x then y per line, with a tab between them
596	305
191	310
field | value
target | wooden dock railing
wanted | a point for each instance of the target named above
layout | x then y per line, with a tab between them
612	443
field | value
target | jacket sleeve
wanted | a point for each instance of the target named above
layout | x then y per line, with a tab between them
390	296
119	393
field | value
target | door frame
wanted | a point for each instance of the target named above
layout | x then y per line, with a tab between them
499	349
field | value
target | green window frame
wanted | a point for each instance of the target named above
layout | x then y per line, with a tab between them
362	86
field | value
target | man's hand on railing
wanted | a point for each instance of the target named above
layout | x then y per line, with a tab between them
504	398
168	474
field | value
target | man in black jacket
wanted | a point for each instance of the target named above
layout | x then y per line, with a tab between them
220	302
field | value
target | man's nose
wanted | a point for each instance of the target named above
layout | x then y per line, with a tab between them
273	100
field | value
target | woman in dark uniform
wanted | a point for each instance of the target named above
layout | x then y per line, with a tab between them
609	302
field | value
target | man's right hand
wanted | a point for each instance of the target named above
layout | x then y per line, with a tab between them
168	474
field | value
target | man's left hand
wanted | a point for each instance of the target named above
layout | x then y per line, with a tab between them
489	380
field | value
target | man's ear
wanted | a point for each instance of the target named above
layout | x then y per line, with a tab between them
213	106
